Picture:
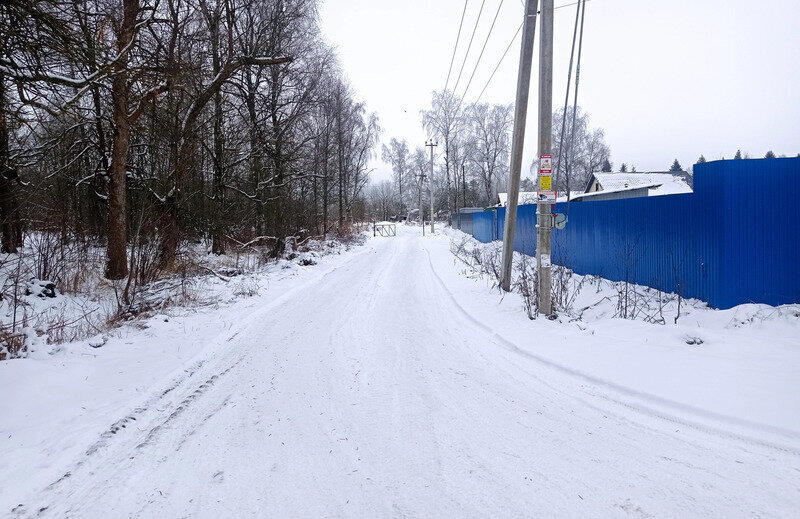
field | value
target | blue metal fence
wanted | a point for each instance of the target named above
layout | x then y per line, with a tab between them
735	240
483	226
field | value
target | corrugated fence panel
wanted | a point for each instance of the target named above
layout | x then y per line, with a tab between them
736	239
483	226
525	235
465	222
760	229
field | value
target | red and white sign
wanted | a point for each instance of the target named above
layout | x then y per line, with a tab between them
545	164
545	197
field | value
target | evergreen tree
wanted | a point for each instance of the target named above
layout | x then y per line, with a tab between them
606	167
676	166
769	155
701	160
623	168
738	155
633	168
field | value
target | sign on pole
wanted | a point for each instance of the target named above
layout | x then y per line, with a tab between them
546	197
545	164
545	260
545	172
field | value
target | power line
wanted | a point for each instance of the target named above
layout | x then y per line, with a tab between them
556	7
491	28
513	39
458	36
559	164
466	55
510	43
573	3
575	102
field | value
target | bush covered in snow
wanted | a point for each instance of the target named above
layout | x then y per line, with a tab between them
590	298
53	292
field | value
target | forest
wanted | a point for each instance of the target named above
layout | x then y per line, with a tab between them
144	125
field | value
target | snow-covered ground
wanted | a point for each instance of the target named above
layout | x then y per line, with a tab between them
59	400
386	382
739	367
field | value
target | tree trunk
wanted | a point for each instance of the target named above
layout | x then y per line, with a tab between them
117	264
340	152
7	172
217	245
255	153
325	189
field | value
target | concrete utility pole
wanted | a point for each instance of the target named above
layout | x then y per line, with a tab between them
544	218
430	178
421	211
518	137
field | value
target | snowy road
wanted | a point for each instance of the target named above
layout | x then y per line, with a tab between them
370	393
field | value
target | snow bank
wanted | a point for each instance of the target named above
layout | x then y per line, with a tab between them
738	369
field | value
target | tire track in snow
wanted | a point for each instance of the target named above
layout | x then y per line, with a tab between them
174	397
657	404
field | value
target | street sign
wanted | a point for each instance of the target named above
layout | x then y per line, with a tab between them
546	197
545	182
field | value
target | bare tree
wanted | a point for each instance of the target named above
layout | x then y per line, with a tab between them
143	124
490	128
445	121
582	152
398	156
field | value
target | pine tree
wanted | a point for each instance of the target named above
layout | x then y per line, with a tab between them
606	167
769	155
676	166
701	160
738	155
633	168
623	168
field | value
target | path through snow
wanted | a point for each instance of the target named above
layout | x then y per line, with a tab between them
370	393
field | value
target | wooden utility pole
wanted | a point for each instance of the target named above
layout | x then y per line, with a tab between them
430	178
544	218
518	137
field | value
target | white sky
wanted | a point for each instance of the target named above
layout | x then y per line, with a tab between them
663	79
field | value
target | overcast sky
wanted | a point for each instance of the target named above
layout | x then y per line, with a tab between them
664	80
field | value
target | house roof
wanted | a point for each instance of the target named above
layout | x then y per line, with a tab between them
657	184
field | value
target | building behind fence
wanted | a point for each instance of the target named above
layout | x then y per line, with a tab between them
735	240
463	218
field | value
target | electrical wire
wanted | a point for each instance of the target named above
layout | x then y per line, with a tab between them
491	28
455	47
573	3
559	164
510	43
575	102
466	55
513	39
